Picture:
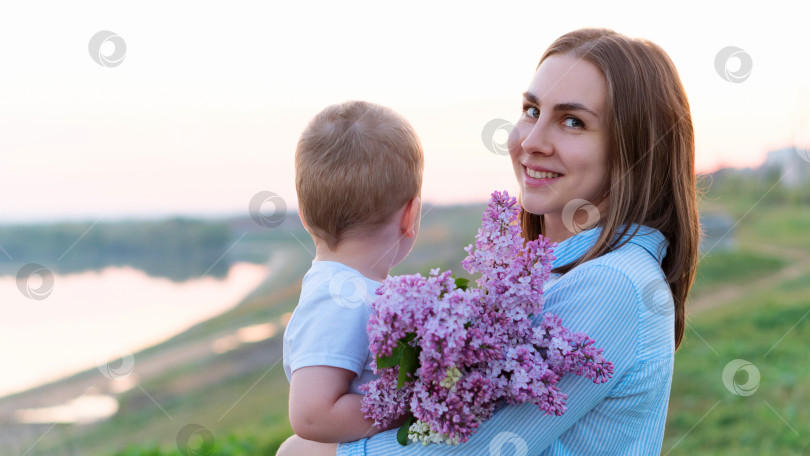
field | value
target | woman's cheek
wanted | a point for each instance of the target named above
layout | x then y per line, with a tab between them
514	139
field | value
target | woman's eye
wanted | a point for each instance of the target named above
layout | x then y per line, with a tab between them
531	111
573	122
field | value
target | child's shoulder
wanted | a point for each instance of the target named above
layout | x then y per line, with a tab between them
331	282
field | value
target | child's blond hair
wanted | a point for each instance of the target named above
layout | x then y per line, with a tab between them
355	165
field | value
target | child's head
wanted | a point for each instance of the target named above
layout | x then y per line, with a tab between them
356	165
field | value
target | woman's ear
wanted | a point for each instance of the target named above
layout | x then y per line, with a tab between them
409	224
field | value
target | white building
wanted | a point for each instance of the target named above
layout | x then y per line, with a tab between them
792	165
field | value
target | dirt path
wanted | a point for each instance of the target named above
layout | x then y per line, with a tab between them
799	263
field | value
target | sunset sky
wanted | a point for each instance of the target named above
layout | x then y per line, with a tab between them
207	105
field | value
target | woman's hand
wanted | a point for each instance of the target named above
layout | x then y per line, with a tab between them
296	446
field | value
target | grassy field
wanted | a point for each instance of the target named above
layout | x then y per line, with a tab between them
766	324
752	303
768	329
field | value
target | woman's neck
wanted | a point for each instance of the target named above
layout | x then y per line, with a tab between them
559	226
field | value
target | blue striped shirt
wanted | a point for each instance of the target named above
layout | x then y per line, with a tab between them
621	300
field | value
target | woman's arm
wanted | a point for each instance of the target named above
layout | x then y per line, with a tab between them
322	409
598	300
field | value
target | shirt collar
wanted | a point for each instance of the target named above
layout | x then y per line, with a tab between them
575	246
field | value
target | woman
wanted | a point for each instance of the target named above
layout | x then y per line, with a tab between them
606	127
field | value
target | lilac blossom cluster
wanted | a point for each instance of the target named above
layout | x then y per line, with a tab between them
448	354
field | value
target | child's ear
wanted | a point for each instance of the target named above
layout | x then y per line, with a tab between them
303	222
410	217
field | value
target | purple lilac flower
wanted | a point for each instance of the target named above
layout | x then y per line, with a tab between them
476	346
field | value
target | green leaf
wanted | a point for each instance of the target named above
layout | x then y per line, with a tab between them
408	364
402	433
463	283
384	362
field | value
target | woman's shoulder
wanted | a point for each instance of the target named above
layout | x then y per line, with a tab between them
632	280
639	258
651	297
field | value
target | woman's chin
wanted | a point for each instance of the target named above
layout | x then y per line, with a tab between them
533	202
535	207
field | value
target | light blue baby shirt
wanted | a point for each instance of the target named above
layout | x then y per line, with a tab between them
328	327
621	300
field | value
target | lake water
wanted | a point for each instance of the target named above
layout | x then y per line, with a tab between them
94	316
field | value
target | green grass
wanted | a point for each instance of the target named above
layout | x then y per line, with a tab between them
770	329
722	268
785	225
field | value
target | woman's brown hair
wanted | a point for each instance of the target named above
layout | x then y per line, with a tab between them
651	155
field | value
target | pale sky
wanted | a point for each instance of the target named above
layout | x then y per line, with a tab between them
209	101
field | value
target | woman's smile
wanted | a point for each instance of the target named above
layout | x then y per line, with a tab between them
539	177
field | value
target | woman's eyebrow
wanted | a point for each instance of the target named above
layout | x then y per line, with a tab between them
570	106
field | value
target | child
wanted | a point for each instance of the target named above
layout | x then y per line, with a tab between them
358	174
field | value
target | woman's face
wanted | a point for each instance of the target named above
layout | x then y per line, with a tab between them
559	145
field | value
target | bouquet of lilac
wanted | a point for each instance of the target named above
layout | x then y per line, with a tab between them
447	353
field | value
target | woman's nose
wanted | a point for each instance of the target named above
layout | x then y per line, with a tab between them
536	140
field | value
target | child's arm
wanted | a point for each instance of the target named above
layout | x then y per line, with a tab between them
322	409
